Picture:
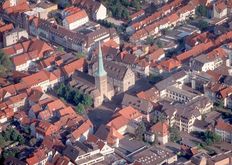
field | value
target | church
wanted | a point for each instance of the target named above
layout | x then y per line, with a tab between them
95	85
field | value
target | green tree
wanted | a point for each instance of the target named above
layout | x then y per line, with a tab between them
32	142
2	141
174	134
80	54
61	90
125	14
77	98
136	4
160	118
21	139
211	137
10	153
6	65
140	130
7	135
201	11
80	108
70	96
149	41
202	25
14	135
87	101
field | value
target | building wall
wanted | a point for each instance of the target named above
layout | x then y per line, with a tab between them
212	65
162	139
13	37
226	136
76	24
101	13
219	14
185	125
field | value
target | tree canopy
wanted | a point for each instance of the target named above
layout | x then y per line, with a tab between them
201	10
5	64
141	129
74	96
174	134
119	8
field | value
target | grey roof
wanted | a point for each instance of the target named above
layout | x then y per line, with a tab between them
90	5
85	83
165	83
196	65
129	59
170	80
186	93
228	80
71	152
13	161
85	78
152	156
199	102
78	149
61	32
102	132
137	103
201	124
131	146
114	70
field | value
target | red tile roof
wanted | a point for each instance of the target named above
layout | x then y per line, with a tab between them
81	130
222	125
73	66
130	113
160	128
76	16
170	64
225	92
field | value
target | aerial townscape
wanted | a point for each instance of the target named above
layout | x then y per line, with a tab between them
116	82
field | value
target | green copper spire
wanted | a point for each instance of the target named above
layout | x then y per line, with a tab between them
100	70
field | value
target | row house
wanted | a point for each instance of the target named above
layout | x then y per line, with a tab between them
137	15
4	28
209	61
57	34
169	21
43	79
84	153
25	53
39	157
16	102
70	68
164	11
43	128
224	130
81	133
69	39
13	36
6	115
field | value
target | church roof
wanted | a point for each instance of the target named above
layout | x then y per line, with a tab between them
100	71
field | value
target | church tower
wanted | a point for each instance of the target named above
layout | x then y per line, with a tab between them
101	74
